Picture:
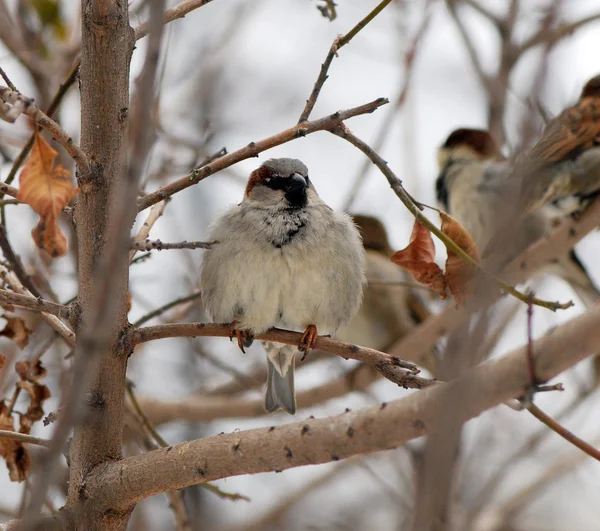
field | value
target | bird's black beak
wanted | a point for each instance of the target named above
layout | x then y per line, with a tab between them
297	183
295	191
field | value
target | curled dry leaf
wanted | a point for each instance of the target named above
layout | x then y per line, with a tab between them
30	374
460	276
47	189
13	452
2	360
16	330
418	259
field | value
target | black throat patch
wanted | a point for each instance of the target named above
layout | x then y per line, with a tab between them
286	226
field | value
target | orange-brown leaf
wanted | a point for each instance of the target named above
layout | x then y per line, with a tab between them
418	259
460	276
14	453
47	189
2	360
16	330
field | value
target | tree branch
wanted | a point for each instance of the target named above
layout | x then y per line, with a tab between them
382	361
119	484
33	303
157	245
254	148
24	438
24	105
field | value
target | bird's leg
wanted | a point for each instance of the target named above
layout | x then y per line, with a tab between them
308	341
244	337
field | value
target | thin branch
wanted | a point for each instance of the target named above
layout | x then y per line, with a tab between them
65	332
179	11
52	108
483	11
33	303
563	432
338	43
16	264
254	148
166	307
7	80
552	36
24	438
150	245
342	131
26	106
471	50
345	350
409	60
155	212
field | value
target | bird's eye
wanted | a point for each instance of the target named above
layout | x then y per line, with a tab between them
268	179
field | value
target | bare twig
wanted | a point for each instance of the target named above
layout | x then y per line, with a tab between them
65	332
338	43
166	307
24	438
150	245
16	264
156	212
409	61
178	11
564	432
27	106
33	303
254	148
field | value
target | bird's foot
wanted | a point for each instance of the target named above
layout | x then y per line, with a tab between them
308	341
244	337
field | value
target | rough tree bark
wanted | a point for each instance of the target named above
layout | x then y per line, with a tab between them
107	45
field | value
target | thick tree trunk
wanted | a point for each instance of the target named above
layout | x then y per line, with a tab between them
107	44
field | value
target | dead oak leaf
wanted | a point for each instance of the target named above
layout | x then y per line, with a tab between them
16	330
47	189
418	257
460	276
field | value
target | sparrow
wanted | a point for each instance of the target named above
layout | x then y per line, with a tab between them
474	186
562	170
283	259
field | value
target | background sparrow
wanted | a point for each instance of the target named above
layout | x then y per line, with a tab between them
474	187
562	170
284	259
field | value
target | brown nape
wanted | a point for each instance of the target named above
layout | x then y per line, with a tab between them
479	140
592	88
257	176
373	234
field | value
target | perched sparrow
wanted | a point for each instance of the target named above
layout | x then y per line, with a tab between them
473	186
562	170
388	310
284	259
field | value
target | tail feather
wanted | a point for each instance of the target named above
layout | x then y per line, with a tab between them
280	389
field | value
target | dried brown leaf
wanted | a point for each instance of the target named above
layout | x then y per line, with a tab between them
47	189
2	360
16	330
30	374
418	259
13	452
460	276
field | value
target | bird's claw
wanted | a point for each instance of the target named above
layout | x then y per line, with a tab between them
244	337
308	340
